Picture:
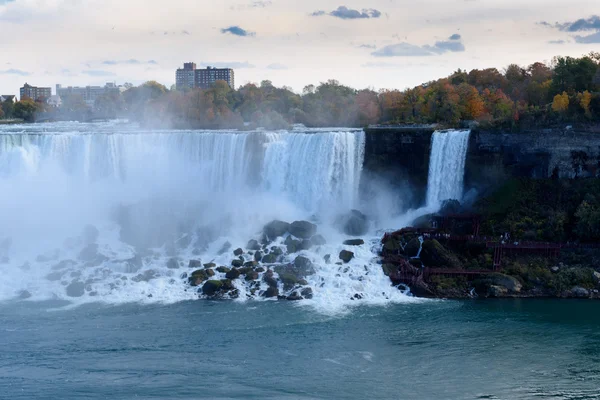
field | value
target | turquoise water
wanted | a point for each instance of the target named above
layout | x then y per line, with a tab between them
521	349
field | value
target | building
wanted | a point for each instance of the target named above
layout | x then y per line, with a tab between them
185	77
190	77
35	93
8	98
89	94
205	78
55	101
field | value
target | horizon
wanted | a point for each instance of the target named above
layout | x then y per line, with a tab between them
380	44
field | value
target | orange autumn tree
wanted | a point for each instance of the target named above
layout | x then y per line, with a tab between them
471	102
560	103
585	99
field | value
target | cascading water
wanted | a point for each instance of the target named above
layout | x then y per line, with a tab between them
111	213
447	166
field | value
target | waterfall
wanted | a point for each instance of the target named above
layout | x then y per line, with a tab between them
447	166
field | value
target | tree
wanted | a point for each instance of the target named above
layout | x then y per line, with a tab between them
585	99
588	219
74	102
1	112
471	102
25	109
573	74
560	103
367	107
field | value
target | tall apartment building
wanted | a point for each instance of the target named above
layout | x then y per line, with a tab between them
190	77
35	93
89	94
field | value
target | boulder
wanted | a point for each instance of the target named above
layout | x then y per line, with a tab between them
238	252
392	246
307	293
433	254
346	256
596	276
225	248
354	242
253	245
412	248
293	246
195	264
275	229
303	229
389	269
210	272
271	292
303	267
252	276
260	269
327	258
276	250
269	259
497	291
294	297
237	263
306	244
251	264
512	284
269	278
289	280
198	277
318	240
223	270
210	265
354	223
212	288
579	292
258	256
233	274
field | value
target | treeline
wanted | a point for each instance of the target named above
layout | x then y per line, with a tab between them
566	90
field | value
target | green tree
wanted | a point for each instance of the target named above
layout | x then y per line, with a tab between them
25	109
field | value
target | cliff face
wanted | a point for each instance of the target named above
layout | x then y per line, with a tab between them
401	155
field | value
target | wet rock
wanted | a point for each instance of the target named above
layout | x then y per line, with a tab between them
252	276
354	242
89	252
76	289
275	229
596	276
306	244
198	277
260	269
233	274
24	294
269	259
269	278
277	251
327	258
303	267
210	265
497	291
289	280
195	264
346	256
173	263
225	248
318	240
223	270
271	292
302	282
258	256
389	269
145	276
579	293
294	297
238	252
303	229
251	264
293	246
354	223
213	288
237	263
253	245
412	248
307	293
210	272
433	254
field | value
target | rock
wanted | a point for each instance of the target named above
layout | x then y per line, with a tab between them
307	293
271	292
555	269
303	229
354	223
596	276
223	270
269	279
252	276
211	288
293	246
497	291
412	248
327	258
237	263
579	292
253	245
277	251
303	266
210	272
354	242
258	256
302	282
389	269
318	240
173	263
269	259
251	264
233	274
238	252
433	254
289	280
294	297
89	252
306	244
195	264
225	248
260	269
346	256
198	277
210	265
275	229
76	289
510	283
219	289
392	246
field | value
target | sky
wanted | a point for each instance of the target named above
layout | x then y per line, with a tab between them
374	44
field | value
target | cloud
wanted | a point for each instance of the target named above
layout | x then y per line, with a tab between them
233	65
453	45
277	66
98	73
13	71
557	42
380	65
367	46
131	61
251	5
583	24
344	12
593	38
237	31
3	2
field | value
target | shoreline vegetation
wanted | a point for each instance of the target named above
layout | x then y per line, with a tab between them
567	91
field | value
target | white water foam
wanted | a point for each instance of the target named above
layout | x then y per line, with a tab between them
177	194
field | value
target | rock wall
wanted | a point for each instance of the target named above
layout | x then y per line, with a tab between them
401	156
